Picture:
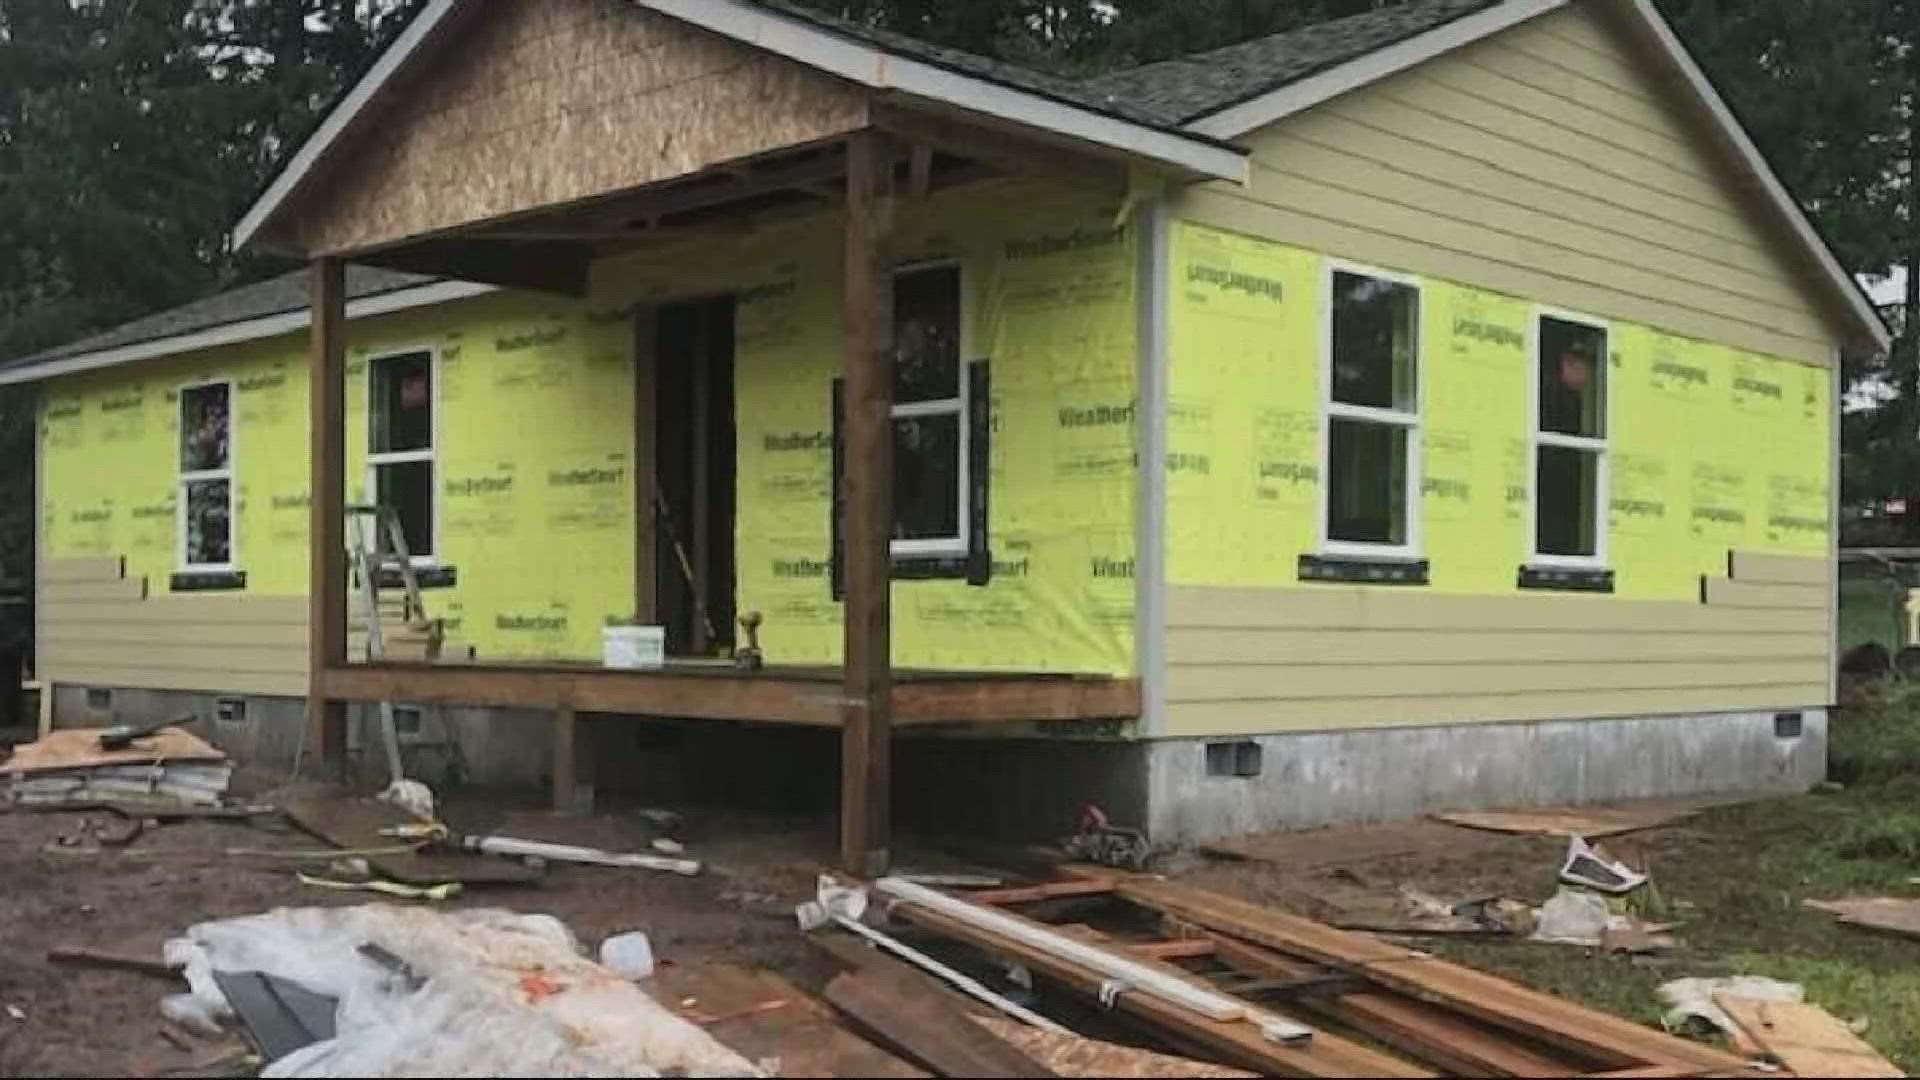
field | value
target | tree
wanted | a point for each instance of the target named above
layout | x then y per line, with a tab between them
1828	92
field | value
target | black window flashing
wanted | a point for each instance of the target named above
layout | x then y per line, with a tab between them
1365	570
426	577
207	581
1566	579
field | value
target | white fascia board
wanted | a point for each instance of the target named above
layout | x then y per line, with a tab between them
1756	163
1256	113
342	117
879	70
266	326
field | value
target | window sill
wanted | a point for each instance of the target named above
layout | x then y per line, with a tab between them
207	581
1364	571
968	568
428	577
1566	579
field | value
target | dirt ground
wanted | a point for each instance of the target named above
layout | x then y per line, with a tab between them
84	1022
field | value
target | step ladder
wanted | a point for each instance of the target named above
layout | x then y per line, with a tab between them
376	544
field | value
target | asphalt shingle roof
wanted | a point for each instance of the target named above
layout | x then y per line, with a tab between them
275	296
1184	90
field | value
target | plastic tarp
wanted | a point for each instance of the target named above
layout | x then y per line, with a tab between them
487	993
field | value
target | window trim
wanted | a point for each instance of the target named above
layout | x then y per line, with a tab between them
183	478
1414	422
943	547
1600	447
431	454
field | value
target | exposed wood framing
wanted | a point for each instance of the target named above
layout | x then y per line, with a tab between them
1008	153
812	699
867	735
327	542
700	529
646	407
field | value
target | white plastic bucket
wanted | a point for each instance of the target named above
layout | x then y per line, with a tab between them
633	646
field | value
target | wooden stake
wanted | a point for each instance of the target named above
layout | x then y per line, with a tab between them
866	737
326	536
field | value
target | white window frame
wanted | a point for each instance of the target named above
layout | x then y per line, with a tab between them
956	406
1603	482
185	479
1413	422
399	457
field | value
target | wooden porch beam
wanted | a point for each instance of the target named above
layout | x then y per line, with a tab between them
866	743
326	533
1005	152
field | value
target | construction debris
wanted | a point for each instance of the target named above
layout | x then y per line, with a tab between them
1693	1007
446	890
630	955
71	766
1805	1038
1592	868
1071	1055
1427	1013
84	957
1884	913
928	1028
498	994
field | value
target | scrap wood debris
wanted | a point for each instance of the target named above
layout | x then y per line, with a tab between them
1281	979
1804	1037
1887	914
71	765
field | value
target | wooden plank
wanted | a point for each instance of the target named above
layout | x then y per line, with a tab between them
1179	949
1051	890
566	729
761	1016
79	748
866	745
926	1027
1588	821
1805	1037
140	965
326	525
1440	1038
1746	566
83	570
184	610
702	509
1609	1040
1325	1055
1722	592
354	824
1887	914
1071	1055
985	701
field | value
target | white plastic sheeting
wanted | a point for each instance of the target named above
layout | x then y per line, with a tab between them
495	994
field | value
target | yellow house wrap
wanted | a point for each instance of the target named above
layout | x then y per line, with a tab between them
534	448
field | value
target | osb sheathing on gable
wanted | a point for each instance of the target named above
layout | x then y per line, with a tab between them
542	102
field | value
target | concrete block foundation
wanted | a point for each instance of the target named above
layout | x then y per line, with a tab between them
1181	791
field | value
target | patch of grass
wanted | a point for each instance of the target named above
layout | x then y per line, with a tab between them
1735	879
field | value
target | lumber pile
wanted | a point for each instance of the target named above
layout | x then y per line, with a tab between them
71	766
1311	1000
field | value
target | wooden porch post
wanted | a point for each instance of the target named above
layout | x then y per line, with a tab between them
867	732
326	535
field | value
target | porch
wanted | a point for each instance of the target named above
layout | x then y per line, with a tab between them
733	135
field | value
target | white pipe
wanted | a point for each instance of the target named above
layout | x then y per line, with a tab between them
972	987
513	846
1128	975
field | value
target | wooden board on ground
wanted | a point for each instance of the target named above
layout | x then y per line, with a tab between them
926	1027
1598	820
738	1007
354	824
1348	844
79	748
1609	1040
1805	1038
1071	1055
1885	913
1324	1055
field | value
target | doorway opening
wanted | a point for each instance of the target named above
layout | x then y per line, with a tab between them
693	454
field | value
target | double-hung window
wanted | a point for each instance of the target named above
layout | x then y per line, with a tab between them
205	499
930	429
1570	443
1371	482
400	445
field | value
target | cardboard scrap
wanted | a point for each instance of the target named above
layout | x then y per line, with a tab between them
1071	1055
79	748
1805	1038
1885	913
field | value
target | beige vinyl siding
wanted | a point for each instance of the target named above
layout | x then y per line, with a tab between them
1543	163
100	628
1243	661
